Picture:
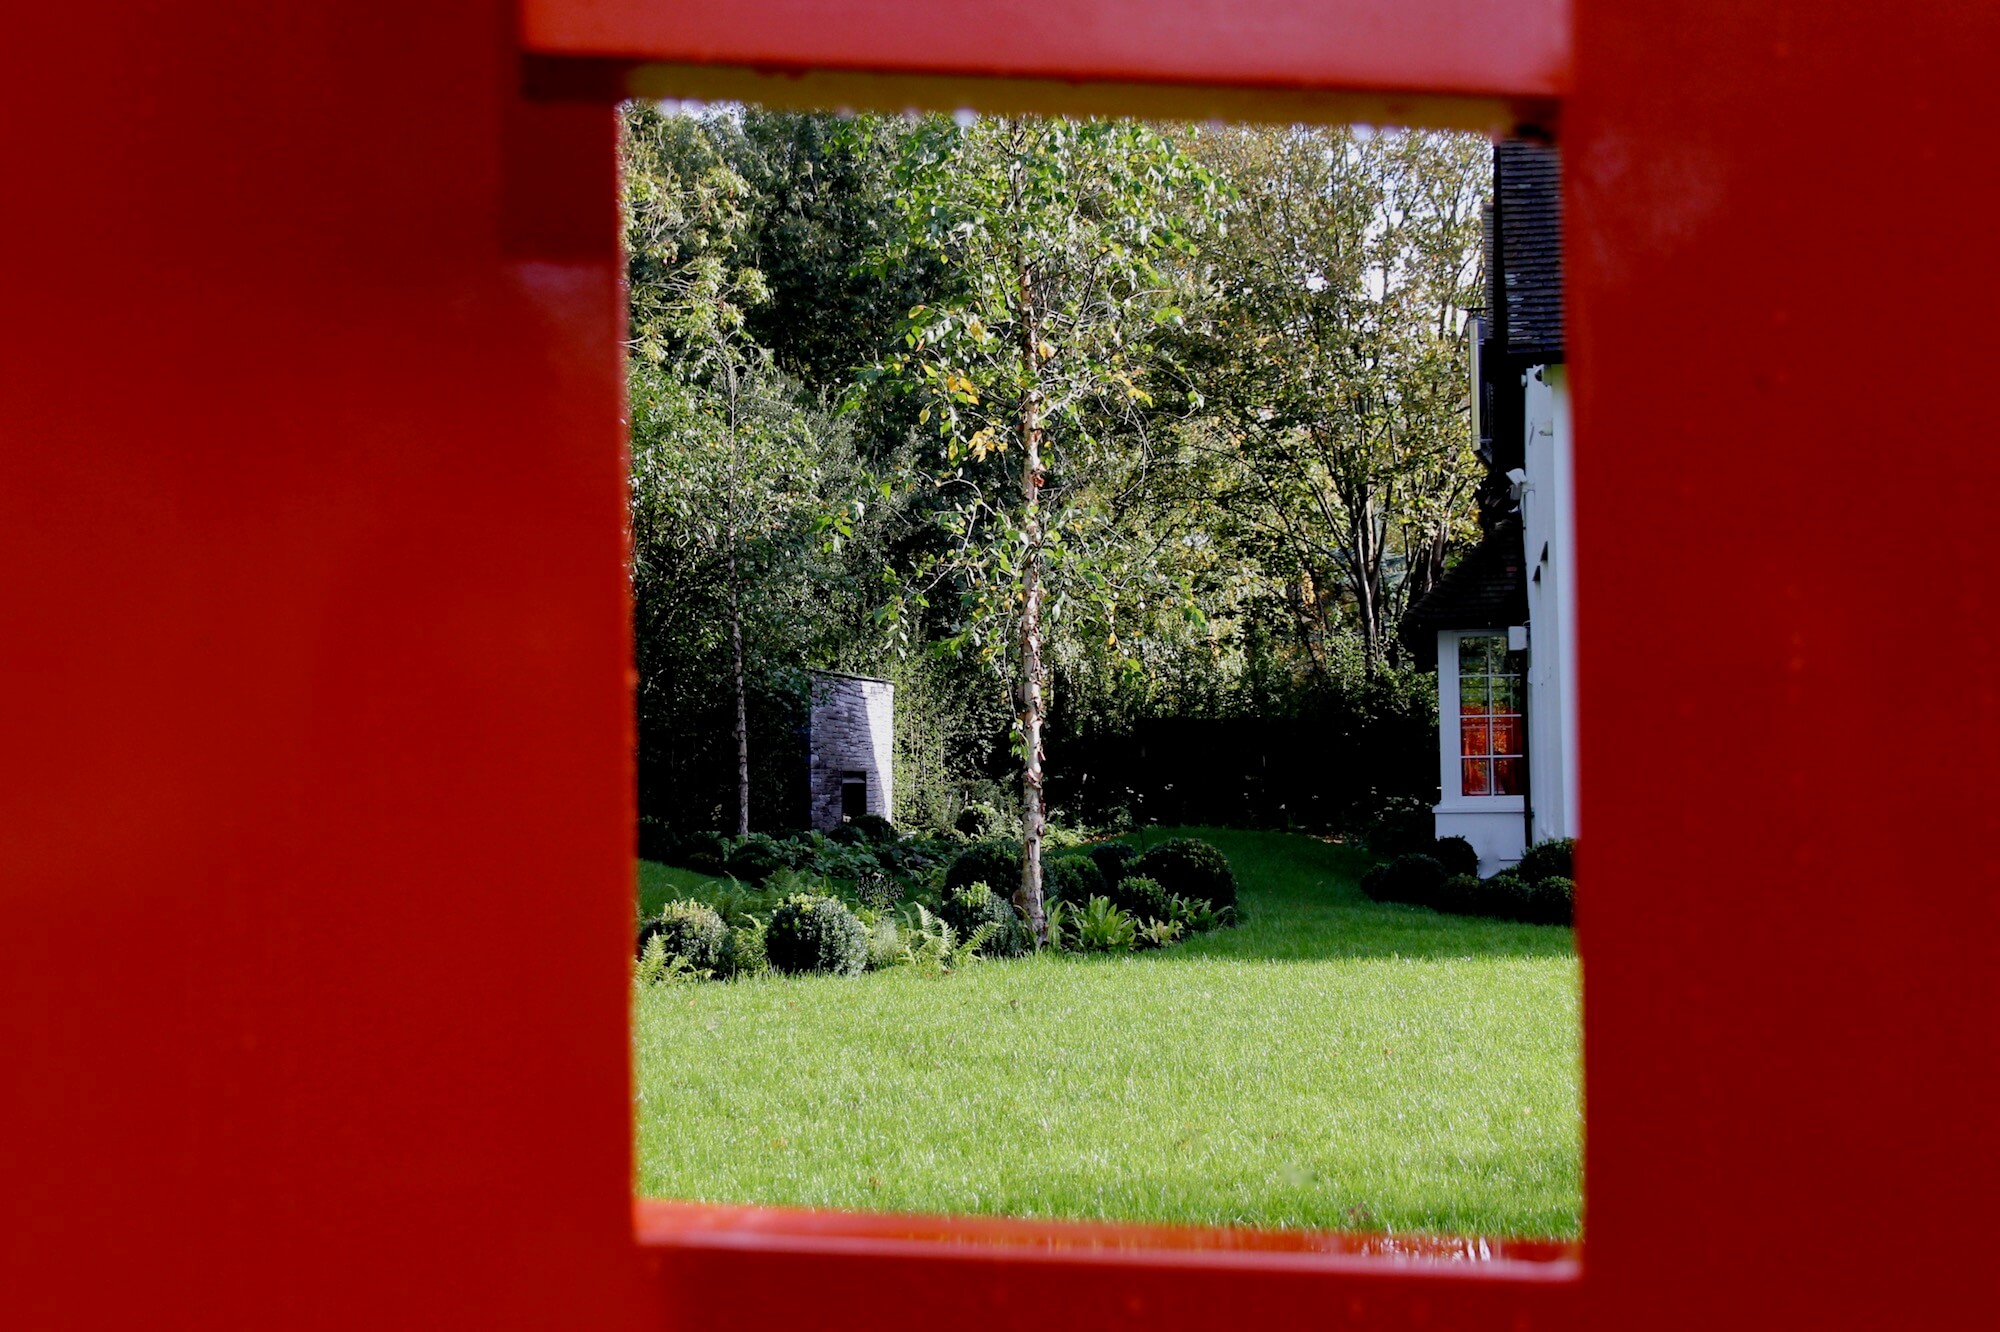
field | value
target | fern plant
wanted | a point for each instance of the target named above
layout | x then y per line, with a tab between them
935	949
657	966
1103	928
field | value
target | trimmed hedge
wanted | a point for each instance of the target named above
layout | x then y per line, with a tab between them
755	859
1142	898
811	933
1113	860
974	905
1074	879
1456	855
876	829
1191	868
995	864
1417	880
691	931
1549	860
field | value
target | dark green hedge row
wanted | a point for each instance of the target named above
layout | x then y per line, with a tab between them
1540	890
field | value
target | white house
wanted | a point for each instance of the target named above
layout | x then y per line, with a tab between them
1503	619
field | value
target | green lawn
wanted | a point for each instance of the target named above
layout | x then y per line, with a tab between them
1331	1063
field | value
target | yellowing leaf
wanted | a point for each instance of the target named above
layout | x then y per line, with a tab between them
1046	350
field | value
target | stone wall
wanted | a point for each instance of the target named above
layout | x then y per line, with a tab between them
852	734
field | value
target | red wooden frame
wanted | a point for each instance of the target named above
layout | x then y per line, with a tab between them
314	830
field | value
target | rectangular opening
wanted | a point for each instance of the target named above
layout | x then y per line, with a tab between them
1385	1041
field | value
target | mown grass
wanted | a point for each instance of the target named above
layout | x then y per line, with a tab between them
1331	1063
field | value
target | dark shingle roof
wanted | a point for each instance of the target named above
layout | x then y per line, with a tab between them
1527	229
1486	589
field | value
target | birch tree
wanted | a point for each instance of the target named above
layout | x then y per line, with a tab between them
1066	243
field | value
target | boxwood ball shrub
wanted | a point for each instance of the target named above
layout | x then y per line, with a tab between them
995	864
875	828
1548	860
1113	860
691	931
1141	898
1460	895
1509	897
1191	868
1456	855
755	859
1553	901
811	933
1072	879
966	909
1414	879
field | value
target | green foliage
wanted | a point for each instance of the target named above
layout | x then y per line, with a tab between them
1143	898
936	947
1404	825
1191	868
1456	855
1101	927
1460	895
1415	879
1072	879
1113	859
1331	352
1553	901
984	821
876	829
755	858
657	841
978	910
989	863
691	931
746	955
808	933
886	946
656	966
1158	934
1196	550
1548	860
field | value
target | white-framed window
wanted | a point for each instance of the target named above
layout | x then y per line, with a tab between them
1482	721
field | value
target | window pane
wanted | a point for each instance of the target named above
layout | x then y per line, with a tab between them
1472	694
1507	773
1473	654
1506	736
1506	693
1474	737
1476	777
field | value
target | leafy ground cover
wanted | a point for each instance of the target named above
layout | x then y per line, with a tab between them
1332	1062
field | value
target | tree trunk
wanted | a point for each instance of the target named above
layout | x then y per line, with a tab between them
736	607
1033	806
742	721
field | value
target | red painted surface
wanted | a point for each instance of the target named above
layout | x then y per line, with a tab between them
1509	48
314	823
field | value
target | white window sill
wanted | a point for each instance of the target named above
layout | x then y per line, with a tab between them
1480	805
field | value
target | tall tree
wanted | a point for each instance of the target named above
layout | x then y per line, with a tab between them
1331	347
1068	243
686	220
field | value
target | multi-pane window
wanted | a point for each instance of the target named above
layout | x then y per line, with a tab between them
1491	688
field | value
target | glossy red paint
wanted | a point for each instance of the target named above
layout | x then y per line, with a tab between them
315	826
1475	48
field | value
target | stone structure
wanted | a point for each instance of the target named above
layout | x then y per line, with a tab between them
850	748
